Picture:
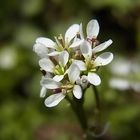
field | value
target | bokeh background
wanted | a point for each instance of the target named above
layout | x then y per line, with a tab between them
23	115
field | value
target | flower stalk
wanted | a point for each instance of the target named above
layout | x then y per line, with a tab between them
97	99
78	109
69	65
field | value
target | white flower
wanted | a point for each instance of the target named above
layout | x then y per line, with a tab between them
119	84
51	48
71	63
83	81
124	84
8	58
92	33
90	65
122	67
73	74
125	72
48	83
59	70
51	84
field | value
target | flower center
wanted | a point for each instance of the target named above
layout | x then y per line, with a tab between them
59	70
59	43
90	66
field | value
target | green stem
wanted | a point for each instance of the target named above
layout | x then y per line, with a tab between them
97	99
97	112
77	107
81	113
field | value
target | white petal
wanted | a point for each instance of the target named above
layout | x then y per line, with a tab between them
94	79
43	92
121	67
54	99
77	91
63	58
81	31
71	32
73	73
86	50
119	83
46	42
58	78
92	29
80	64
46	64
76	43
54	53
41	50
102	46
50	83
103	59
48	75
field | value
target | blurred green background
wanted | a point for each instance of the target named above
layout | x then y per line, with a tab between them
23	115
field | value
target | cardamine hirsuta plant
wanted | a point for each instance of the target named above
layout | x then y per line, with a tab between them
70	65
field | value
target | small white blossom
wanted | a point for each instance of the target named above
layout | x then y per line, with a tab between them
53	48
125	74
48	83
124	84
70	64
73	74
90	64
59	70
54	99
88	48
83	81
119	84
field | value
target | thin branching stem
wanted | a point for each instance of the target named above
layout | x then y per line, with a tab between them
97	99
77	107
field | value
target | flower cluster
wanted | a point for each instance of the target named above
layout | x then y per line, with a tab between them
69	64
